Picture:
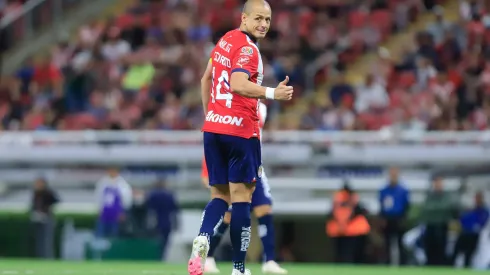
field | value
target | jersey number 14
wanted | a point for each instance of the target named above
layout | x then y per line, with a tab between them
216	94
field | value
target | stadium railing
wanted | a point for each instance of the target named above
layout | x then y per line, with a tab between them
137	136
75	159
312	148
281	147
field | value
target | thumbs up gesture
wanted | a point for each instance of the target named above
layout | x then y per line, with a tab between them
284	92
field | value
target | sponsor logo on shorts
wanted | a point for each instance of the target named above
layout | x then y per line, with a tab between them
227	120
247	51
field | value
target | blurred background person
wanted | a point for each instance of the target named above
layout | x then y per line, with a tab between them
162	204
348	226
42	218
394	203
137	224
114	196
472	223
438	210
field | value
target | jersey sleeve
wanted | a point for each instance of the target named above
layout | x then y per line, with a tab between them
245	60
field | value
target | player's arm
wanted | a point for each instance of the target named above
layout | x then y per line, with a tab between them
206	82
246	62
240	84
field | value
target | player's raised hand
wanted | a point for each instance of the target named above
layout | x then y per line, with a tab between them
284	92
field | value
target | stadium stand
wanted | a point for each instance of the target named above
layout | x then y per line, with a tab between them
141	70
9	6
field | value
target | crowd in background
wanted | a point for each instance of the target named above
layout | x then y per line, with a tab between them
141	69
440	82
10	6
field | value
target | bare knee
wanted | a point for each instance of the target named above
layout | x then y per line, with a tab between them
227	218
241	192
262	210
221	192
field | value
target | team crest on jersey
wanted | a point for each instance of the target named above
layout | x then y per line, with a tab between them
259	171
242	61
247	50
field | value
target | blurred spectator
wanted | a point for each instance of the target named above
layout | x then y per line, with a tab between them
161	202
394	204
404	122
427	49
437	211
137	223
136	33
289	66
371	96
115	48
440	26
42	218
472	223
340	117
470	8
114	196
383	67
138	76
348	226
425	71
340	89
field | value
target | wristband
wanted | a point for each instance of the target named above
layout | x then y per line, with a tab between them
269	93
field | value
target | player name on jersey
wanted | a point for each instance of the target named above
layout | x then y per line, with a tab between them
221	59
230	113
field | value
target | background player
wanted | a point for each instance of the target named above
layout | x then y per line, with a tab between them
262	208
231	132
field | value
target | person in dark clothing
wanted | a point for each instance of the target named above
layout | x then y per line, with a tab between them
137	224
472	222
136	34
394	204
161	203
340	89
42	219
439	209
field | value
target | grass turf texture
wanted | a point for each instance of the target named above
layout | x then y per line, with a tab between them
13	267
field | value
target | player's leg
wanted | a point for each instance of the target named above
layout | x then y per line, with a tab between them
210	266
262	208
212	216
244	166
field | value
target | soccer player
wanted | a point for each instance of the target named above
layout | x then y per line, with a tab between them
262	208
231	87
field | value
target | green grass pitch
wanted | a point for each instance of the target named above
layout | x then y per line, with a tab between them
18	267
